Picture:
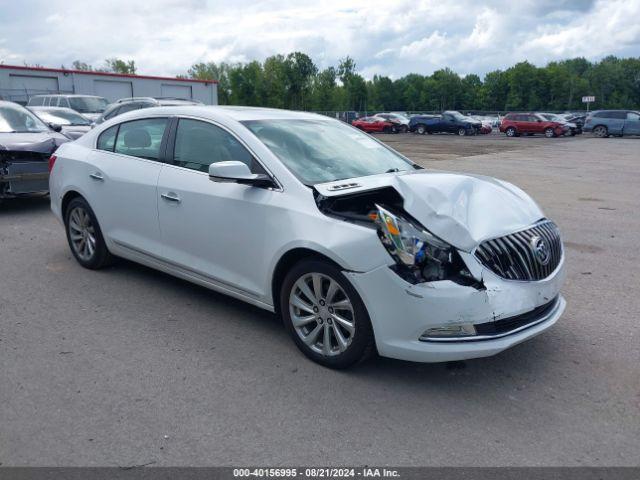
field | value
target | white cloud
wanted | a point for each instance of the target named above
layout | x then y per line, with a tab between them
391	38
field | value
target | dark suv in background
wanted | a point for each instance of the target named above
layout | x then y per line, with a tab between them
603	123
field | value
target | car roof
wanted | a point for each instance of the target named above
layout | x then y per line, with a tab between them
51	109
232	112
65	95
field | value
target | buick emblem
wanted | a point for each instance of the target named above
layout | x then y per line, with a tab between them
540	250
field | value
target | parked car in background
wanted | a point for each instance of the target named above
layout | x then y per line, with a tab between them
125	105
603	123
374	124
516	124
554	117
448	122
401	122
91	106
356	247
71	123
26	143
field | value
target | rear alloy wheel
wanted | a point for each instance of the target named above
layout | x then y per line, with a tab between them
510	132
84	235
325	315
601	131
421	129
462	132
549	133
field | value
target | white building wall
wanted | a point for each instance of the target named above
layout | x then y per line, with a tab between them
17	84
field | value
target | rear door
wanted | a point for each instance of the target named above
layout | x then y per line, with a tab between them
632	124
123	176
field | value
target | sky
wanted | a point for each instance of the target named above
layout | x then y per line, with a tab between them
165	37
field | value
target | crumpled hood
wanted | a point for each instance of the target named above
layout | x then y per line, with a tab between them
40	142
461	209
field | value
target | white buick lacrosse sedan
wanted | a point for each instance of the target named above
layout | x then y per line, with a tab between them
357	248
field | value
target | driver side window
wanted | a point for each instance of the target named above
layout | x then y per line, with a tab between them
199	144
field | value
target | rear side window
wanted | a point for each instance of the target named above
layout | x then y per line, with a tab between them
199	144
141	138
111	112
128	107
634	117
107	139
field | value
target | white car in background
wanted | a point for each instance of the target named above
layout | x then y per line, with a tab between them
355	246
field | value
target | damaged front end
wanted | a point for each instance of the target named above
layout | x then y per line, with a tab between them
24	167
23	173
419	255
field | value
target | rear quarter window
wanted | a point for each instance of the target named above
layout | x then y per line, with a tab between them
107	139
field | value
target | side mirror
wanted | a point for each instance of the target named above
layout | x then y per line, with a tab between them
55	127
237	172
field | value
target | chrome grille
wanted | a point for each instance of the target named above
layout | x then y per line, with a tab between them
515	257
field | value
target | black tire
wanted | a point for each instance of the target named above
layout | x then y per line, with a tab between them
361	344
601	131
421	129
511	132
462	132
549	132
403	129
100	257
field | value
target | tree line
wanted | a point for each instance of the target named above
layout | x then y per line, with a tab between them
293	81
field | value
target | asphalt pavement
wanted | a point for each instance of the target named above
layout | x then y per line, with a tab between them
128	366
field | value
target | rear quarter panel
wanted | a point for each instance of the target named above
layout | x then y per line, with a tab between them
70	173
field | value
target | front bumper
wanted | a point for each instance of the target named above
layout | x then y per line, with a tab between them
401	312
24	177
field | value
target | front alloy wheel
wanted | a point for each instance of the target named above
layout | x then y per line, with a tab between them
322	314
325	315
549	133
421	129
462	131
601	131
510	132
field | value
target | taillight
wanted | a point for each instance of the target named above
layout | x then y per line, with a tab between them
52	162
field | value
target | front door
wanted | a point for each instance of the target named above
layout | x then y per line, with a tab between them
632	124
216	230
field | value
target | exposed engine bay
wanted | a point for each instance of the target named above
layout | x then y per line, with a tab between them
420	256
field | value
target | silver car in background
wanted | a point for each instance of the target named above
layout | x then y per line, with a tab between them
71	124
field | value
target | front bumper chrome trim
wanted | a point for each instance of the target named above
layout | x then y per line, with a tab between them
549	313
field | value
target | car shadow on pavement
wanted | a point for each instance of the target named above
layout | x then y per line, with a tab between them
528	360
22	205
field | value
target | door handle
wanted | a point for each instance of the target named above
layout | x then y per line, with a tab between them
97	176
170	196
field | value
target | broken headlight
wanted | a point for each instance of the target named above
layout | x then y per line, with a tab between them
420	256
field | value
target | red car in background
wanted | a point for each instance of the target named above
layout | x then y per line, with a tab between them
516	124
374	124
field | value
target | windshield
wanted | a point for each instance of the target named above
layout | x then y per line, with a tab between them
457	115
62	117
319	151
551	117
88	104
16	119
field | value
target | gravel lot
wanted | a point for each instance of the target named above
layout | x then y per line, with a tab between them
128	366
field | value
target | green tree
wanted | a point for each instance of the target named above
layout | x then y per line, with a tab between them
117	65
